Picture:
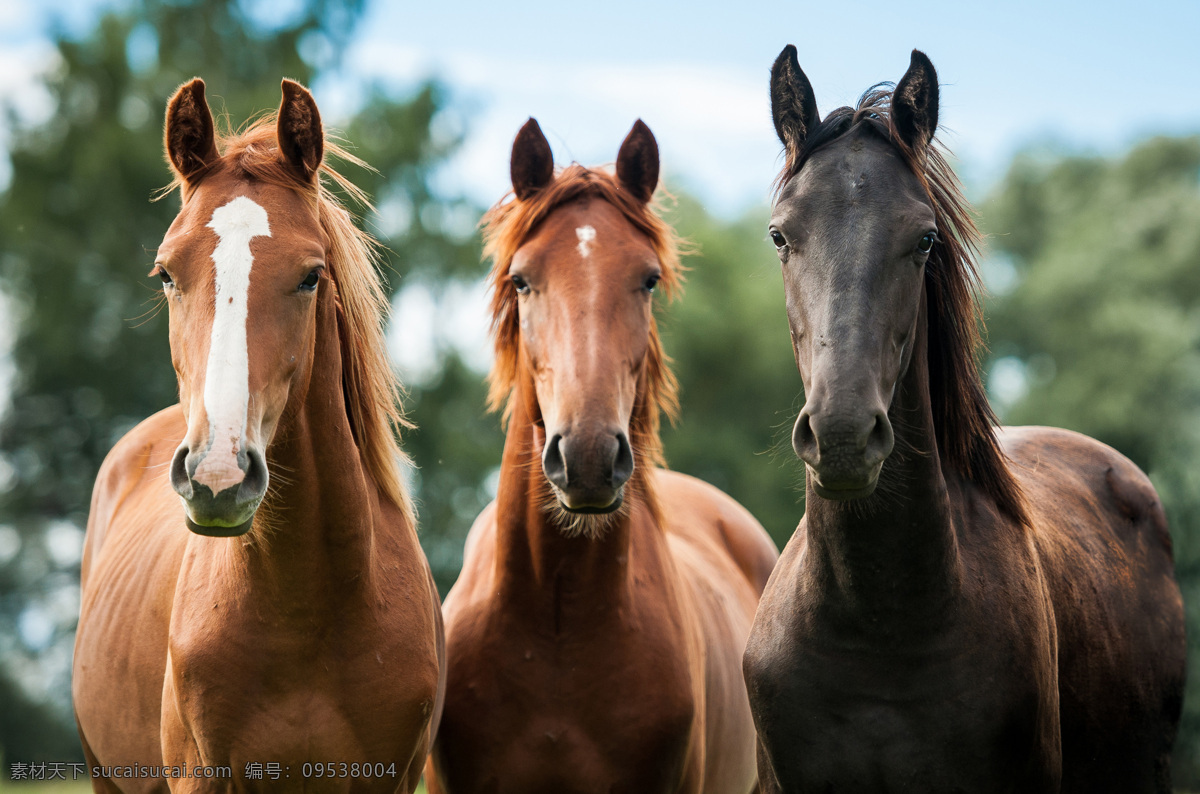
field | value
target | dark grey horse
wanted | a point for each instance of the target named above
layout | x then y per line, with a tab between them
960	609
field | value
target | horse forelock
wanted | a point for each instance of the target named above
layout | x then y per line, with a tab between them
507	225
370	386
964	421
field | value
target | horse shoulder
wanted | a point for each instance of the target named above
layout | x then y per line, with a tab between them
131	560
134	464
467	606
695	510
725	557
771	647
1106	553
479	554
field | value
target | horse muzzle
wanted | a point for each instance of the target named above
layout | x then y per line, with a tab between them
588	474
844	454
221	501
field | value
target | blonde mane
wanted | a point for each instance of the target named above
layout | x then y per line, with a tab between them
371	388
507	225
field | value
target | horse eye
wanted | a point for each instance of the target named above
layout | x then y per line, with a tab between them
520	285
651	282
310	281
926	244
164	275
777	238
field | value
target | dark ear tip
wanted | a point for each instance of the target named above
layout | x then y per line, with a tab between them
532	164
292	89
639	127
193	89
530	127
530	133
920	59
788	55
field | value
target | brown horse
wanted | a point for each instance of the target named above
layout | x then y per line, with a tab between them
956	612
295	624
594	638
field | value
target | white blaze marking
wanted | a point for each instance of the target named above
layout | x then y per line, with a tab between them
227	377
585	234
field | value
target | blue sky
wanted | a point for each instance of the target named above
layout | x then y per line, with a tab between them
1093	76
1084	76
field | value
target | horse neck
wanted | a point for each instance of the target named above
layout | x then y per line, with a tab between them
534	558
321	515
893	555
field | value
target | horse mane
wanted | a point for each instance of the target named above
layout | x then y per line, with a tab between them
370	387
964	422
507	225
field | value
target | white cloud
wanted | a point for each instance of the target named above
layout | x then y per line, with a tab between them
21	90
712	123
15	14
425	324
411	334
21	67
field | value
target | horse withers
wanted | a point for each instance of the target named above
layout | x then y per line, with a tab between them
253	589
959	609
594	637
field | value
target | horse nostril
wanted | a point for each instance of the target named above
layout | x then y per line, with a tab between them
180	480
804	440
254	484
879	439
553	464
622	468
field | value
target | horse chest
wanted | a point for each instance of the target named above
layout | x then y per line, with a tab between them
602	711
244	682
852	717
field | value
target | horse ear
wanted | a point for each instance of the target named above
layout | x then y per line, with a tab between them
299	132
793	104
190	139
532	164
637	162
915	103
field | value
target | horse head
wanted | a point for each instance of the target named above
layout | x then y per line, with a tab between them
241	266
854	227
574	313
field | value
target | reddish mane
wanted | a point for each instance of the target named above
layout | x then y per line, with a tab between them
508	224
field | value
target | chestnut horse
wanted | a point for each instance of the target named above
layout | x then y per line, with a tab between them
594	638
957	611
253	589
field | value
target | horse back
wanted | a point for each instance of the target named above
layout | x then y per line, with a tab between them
132	552
699	513
1105	549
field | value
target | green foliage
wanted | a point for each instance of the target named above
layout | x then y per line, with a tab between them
1104	323
433	246
739	387
77	236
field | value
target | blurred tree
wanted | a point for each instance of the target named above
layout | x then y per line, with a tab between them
435	250
77	236
739	388
1097	329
